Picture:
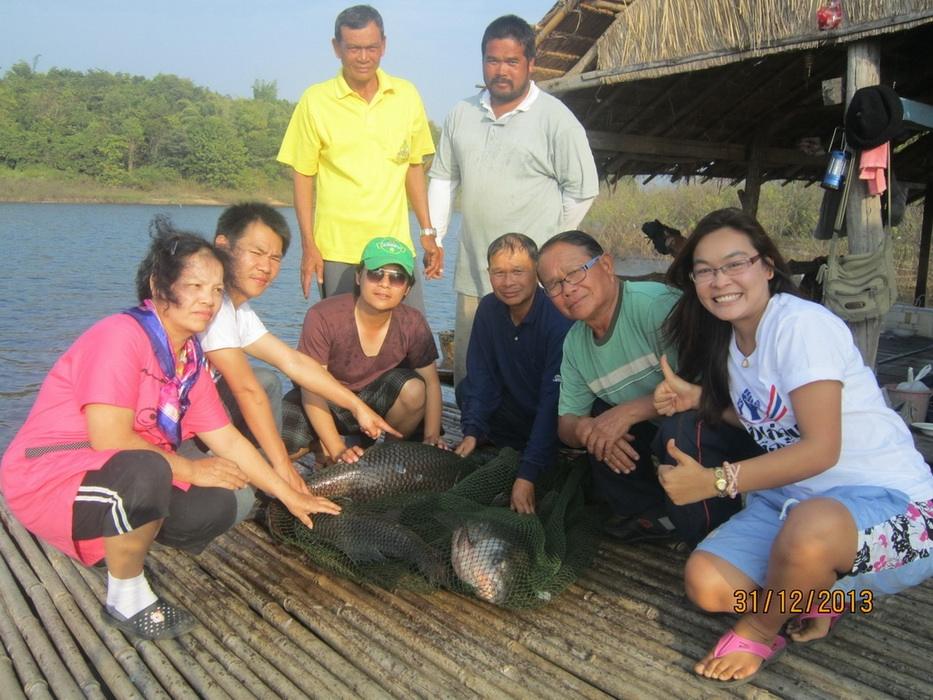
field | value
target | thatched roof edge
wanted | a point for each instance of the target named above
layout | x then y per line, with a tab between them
711	59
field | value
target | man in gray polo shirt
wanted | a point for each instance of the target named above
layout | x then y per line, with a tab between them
520	158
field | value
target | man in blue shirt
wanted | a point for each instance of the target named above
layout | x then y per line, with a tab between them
509	395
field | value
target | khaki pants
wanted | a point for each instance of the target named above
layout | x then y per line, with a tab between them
466	310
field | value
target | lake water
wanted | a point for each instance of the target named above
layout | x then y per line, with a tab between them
69	265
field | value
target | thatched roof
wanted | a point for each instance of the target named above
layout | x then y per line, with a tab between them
689	87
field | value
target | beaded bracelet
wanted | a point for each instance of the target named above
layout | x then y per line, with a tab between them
732	478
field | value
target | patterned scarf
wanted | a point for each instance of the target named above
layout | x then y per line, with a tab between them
178	378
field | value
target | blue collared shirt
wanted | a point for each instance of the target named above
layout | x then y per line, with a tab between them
522	362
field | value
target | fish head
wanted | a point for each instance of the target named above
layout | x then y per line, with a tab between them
486	561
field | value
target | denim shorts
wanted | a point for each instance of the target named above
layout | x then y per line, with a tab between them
895	536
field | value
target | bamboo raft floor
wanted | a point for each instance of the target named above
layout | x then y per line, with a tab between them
274	626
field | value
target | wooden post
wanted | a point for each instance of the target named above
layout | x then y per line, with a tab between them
926	232
863	212
751	194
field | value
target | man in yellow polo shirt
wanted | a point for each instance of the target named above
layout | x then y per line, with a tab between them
356	144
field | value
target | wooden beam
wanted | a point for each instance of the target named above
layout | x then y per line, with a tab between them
926	233
863	211
585	60
687	150
604	7
552	23
750	195
542	69
560	55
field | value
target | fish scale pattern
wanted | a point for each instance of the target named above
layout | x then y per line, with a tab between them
463	538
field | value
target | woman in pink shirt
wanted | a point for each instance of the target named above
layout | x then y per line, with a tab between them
95	470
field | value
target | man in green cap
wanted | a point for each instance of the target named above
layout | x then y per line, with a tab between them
379	348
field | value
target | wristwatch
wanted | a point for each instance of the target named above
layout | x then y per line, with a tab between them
429	231
719	474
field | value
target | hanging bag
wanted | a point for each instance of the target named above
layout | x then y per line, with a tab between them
858	286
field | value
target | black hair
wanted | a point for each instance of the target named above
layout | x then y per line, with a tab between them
511	27
513	242
234	221
575	238
167	258
701	339
357	17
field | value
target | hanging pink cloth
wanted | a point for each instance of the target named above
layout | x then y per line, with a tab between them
872	165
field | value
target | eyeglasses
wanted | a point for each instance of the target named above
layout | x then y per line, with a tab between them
705	275
396	278
575	277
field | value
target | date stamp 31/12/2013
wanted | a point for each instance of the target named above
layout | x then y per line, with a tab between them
798	602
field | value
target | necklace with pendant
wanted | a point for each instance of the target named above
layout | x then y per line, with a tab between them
745	362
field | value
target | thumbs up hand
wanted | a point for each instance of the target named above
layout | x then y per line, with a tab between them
687	481
674	394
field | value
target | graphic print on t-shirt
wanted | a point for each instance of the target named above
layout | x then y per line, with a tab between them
762	419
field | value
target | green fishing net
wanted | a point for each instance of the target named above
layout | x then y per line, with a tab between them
465	539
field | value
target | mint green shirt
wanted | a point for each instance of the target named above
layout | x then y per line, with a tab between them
626	363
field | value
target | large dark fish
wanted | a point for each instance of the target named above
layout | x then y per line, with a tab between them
373	539
390	468
488	559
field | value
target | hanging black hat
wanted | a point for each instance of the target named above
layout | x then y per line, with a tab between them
875	116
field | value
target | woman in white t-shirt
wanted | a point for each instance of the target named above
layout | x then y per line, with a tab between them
840	506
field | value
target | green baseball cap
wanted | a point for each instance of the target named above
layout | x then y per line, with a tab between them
388	251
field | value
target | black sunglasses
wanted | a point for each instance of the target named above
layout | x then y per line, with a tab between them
396	278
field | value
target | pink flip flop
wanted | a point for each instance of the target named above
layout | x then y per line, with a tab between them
731	642
810	615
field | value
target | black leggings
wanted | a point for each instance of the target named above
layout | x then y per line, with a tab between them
134	487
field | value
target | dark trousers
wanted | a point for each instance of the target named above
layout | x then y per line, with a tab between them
509	426
639	491
134	487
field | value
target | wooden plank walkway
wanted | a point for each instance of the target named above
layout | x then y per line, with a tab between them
275	626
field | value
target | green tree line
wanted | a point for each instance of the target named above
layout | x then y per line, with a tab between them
130	130
122	129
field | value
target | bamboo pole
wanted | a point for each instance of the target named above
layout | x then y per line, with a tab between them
58	572
160	677
229	685
378	646
555	20
119	665
48	563
476	653
221	615
597	653
328	661
552	648
344	643
60	681
863	675
30	679
9	683
539	676
411	628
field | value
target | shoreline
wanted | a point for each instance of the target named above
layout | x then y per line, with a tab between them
194	201
46	188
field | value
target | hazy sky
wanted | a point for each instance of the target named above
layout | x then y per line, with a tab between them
225	45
